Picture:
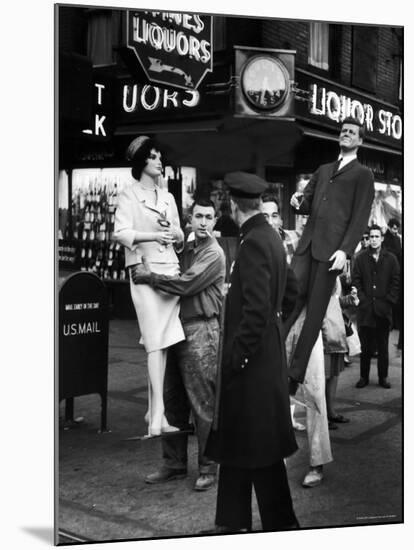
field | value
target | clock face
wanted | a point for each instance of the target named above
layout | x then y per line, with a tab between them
265	82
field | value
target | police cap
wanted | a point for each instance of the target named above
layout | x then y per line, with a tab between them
245	185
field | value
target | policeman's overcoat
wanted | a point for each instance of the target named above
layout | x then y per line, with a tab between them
254	425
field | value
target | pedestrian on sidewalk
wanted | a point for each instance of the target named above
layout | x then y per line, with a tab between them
338	199
191	366
361	246
254	431
147	224
351	313
376	275
393	243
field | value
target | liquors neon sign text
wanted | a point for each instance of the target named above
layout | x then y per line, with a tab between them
151	98
170	39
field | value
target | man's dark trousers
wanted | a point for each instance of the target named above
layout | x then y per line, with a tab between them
189	386
234	502
368	336
316	284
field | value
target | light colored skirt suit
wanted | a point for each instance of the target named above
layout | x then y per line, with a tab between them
157	311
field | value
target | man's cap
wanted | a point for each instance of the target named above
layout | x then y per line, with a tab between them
245	185
133	147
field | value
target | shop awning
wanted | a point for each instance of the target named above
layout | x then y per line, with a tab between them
169	127
320	134
223	144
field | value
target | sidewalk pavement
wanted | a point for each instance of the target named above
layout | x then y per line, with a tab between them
103	497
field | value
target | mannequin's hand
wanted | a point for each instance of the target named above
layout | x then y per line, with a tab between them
296	200
165	236
338	258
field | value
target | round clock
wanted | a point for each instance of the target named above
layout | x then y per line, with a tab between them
265	82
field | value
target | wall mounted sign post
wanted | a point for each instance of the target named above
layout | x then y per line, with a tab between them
173	49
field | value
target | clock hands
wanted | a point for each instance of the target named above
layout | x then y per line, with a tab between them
265	88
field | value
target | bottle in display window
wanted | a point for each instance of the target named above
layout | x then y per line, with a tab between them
94	201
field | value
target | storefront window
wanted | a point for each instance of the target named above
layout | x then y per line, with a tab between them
387	204
319	45
302	181
93	203
63	204
185	178
225	225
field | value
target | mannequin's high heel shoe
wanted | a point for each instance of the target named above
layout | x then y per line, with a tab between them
157	428
167	428
154	431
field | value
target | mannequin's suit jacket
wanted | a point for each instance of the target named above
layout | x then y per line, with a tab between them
339	206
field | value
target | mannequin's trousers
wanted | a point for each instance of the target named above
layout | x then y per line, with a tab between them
316	284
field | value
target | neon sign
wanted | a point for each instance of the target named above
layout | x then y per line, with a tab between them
334	106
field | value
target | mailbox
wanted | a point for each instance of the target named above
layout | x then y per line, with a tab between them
83	340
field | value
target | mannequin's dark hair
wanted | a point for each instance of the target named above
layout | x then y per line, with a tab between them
140	158
355	122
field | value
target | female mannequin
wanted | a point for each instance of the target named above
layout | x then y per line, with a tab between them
147	224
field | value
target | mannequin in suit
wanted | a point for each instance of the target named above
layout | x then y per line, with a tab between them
147	224
338	200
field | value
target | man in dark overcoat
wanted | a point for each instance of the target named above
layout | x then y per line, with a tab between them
338	200
392	242
254	431
376	275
